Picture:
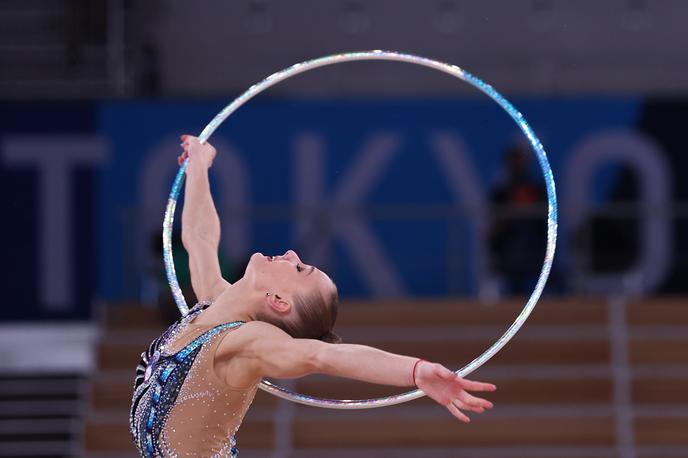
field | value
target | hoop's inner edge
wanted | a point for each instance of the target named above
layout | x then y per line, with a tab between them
387	56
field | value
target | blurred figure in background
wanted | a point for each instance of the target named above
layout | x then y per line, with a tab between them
517	229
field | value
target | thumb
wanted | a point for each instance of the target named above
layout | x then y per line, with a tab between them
446	373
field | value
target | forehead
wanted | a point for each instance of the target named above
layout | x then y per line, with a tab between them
317	279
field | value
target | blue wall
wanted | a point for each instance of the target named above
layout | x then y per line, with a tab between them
265	137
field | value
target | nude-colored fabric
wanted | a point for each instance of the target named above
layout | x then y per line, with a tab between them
207	412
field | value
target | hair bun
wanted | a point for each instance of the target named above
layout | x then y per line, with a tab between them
331	337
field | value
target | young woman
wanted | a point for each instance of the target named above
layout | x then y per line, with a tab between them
196	381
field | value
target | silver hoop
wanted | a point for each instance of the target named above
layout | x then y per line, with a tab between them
398	57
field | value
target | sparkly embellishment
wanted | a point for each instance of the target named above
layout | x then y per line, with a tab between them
166	373
151	365
151	418
156	393
160	377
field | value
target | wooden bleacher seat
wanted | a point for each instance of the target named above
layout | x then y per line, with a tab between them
556	381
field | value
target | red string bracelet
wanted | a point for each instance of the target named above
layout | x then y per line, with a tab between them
414	370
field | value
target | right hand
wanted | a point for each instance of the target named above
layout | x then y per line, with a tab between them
197	152
450	390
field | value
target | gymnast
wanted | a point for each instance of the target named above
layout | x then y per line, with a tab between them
276	321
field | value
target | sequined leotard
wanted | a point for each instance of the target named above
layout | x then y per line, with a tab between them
180	407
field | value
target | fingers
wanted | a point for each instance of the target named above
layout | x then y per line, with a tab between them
459	404
460	399
185	144
192	146
473	401
457	413
477	386
181	158
466	384
188	141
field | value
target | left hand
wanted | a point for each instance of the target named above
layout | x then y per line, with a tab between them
450	390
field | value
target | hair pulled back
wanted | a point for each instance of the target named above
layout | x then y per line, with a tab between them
315	317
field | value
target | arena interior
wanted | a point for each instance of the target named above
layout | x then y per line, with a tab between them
414	191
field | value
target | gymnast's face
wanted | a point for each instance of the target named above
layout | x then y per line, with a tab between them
285	277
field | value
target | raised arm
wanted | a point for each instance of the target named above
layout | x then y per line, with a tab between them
200	222
274	353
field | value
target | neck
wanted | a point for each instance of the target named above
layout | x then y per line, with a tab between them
238	302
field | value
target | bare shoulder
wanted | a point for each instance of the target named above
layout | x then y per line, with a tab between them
249	333
262	329
262	326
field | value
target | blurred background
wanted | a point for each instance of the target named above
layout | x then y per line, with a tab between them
415	192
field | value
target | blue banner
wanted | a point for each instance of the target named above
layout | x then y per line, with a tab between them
341	157
393	198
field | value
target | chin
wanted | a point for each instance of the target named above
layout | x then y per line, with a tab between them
255	258
253	265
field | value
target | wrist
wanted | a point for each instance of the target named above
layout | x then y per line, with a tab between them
196	166
414	370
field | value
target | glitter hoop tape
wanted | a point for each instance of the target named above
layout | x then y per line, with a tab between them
398	57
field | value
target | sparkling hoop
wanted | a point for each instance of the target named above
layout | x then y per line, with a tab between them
390	56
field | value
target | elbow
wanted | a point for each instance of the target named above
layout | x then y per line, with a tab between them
187	237
194	234
321	359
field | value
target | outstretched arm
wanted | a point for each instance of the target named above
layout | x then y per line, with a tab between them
200	222
276	354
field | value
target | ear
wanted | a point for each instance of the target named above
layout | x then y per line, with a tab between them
278	304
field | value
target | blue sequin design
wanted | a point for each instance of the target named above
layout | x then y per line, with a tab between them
159	379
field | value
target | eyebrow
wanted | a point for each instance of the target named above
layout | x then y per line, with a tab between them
310	271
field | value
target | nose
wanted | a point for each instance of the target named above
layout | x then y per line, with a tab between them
291	254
